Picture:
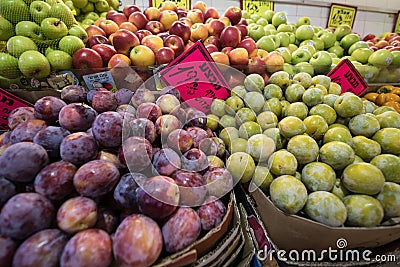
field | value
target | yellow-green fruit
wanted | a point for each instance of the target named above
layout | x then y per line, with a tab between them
366	148
336	154
316	126
389	139
363	210
339	190
390	199
273	105
275	135
248	129
241	165
364	124
389	165
318	176
348	105
212	121
291	126
262	178
260	147
339	133
215	162
304	148
389	119
326	208
325	111
239	145
382	109
288	193
282	162
296	109
228	135
363	178
267	119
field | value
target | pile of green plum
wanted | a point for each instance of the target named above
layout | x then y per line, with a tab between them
313	149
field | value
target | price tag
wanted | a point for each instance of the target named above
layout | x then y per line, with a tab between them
9	102
179	3
256	6
197	77
346	75
101	79
396	27
61	80
341	14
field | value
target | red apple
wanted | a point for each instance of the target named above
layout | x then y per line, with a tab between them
187	21
227	49
129	9
243	21
188	44
110	13
215	27
390	36
374	48
106	51
200	5
234	14
376	39
370	43
389	47
250	45
153	42
211	12
86	58
116	17
381	44
167	17
220	58
119	60
396	38
128	26
243	30
152	13
109	26
97	22
139	19
256	65
142	33
230	36
163	35
395	48
97	39
196	16
395	43
238	56
182	13
214	40
175	43
95	30
369	36
181	29
169	5
154	26
211	48
199	31
164	55
123	40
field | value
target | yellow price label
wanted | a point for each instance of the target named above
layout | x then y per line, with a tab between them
341	14
179	3
257	6
396	27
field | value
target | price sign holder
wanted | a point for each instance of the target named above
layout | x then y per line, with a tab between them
179	3
396	26
9	102
347	76
341	14
256	6
197	77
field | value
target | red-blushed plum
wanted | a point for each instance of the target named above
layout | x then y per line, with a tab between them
73	94
77	214
91	247
25	214
123	96
44	248
76	117
213	146
78	148
55	180
165	124
110	155
166	161
89	96
96	178
197	134
143	128
211	213
107	219
149	111
48	107
128	110
171	90
137	241
192	187
135	153
50	138
179	140
19	115
25	131
22	161
181	229
195	118
158	197
219	181
7	190
180	113
125	191
167	103
194	160
142	95
103	101
107	129
8	248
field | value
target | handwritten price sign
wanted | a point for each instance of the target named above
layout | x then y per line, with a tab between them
197	77
346	75
256	6
9	102
341	14
179	3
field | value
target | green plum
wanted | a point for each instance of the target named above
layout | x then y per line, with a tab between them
227	121
389	119
239	145
228	135
389	165
297	109
254	82
215	162
348	105
363	211
334	88
336	154
330	99
275	135
339	190
322	80
245	114
294	92
262	178
254	100
233	104
389	197
291	126
304	148
382	109
273	105
316	126
363	178
218	107
280	78
212	122
368	107
366	148
248	129
364	124
318	176
325	111
313	96
267	119
241	165
239	91
389	139
260	147
341	134
282	162
272	91
303	78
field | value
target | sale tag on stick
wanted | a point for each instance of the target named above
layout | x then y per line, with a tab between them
256	6
9	102
197	77
346	75
341	14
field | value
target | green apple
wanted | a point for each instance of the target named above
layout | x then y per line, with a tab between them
304	67
255	16
102	6
114	4
362	54
29	29
14	10
285	28
261	21
63	12
279	18
336	60
104	14
49	49
286	54
70	44
292	47
348	40
79	32
268	27
289	68
39	10
256	32
69	4
276	40
268	14
309	48
341	31
304	32
28	2
300	55
318	43
381	57
303	21
6	29
92	15
88	8
54	28
328	38
321	61
245	14
337	50
292	37
34	64
59	60
396	58
88	22
356	45
80	3
267	43
9	66
284	38
17	45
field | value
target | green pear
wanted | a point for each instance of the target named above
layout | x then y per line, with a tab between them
62	12
6	29
16	45
79	32
9	66
88	8
14	10
29	29
34	64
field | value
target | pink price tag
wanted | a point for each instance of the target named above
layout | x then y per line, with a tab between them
347	76
196	76
9	102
